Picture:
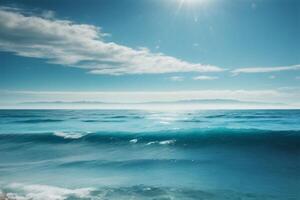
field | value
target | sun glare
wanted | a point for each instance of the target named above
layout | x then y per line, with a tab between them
191	4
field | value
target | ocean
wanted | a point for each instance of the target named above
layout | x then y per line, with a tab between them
143	155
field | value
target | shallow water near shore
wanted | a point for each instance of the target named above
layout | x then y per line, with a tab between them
131	154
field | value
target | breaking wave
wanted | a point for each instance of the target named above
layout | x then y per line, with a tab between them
242	137
19	191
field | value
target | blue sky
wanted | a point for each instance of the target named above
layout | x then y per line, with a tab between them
237	49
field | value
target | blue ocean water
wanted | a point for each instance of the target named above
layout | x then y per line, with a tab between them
132	154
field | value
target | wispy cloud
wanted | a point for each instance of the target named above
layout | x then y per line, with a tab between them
176	78
265	69
82	45
204	78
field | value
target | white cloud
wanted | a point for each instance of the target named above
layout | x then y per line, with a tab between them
176	78
205	78
265	69
83	46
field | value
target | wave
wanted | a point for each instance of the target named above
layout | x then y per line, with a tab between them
134	163
125	117
37	192
70	134
9	115
184	138
216	116
163	142
103	120
21	191
114	118
34	121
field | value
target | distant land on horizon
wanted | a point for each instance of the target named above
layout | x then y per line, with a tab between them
191	101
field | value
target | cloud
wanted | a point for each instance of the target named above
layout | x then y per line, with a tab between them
176	78
265	69
205	78
82	45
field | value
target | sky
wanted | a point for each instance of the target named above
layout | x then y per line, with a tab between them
149	50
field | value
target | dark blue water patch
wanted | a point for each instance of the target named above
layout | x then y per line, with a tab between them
124	117
33	138
118	117
91	120
257	120
256	117
192	121
247	115
19	115
7	147
215	116
102	120
35	121
137	163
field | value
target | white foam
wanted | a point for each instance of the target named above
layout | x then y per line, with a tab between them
42	192
164	122
70	135
133	141
150	143
165	142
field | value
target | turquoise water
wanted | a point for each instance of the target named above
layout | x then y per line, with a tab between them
130	154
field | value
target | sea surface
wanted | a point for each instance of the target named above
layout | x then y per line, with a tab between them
143	155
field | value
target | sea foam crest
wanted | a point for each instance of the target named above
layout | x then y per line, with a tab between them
38	192
164	142
18	191
70	134
133	141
